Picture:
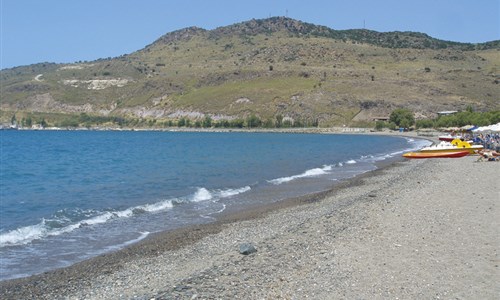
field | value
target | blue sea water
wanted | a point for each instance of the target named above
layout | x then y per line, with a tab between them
66	196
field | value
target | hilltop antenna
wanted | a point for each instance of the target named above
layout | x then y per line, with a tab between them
364	24
286	13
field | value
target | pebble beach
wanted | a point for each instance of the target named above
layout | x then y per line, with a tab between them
417	229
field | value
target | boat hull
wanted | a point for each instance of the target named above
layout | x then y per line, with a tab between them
448	138
470	150
452	154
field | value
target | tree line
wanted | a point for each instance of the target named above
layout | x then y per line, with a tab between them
399	118
85	120
403	118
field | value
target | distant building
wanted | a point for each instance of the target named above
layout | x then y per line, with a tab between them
447	112
381	119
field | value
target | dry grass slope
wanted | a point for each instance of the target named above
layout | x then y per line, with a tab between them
278	65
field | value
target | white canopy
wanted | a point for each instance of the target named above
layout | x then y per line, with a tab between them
492	128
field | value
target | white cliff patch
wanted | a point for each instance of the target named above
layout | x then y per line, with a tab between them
107	111
197	115
96	84
243	100
186	114
158	100
74	67
142	112
46	103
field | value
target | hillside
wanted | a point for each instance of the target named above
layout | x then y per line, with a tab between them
271	67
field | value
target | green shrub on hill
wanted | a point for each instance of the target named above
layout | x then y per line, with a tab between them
461	119
402	118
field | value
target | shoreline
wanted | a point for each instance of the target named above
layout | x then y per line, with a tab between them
394	222
317	130
89	279
34	270
193	233
161	242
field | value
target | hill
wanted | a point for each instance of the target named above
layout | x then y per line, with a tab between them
272	68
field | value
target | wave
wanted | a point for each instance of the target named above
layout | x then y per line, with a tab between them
414	144
309	173
326	169
65	221
202	194
142	235
233	192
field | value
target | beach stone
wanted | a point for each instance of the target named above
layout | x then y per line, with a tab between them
247	248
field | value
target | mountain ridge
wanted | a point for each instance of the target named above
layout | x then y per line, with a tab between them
391	39
269	67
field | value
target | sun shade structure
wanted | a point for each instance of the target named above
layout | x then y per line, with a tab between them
489	128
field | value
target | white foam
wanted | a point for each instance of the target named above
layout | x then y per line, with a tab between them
373	158
99	219
392	154
233	192
124	213
202	194
350	162
162	205
27	234
142	236
309	173
23	235
222	209
327	168
313	172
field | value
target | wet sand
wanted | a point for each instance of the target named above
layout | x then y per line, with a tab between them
417	229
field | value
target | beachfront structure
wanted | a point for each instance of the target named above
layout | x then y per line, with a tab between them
447	112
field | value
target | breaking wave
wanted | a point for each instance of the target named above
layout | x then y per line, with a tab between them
413	144
65	221
309	173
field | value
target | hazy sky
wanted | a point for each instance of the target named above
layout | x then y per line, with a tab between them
64	31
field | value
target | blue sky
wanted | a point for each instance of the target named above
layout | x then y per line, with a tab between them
65	31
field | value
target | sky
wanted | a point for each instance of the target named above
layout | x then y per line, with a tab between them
67	31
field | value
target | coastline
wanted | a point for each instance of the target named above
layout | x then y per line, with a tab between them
336	130
393	232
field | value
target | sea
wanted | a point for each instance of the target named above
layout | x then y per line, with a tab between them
66	196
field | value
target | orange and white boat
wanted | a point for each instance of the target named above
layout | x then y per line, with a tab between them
455	146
